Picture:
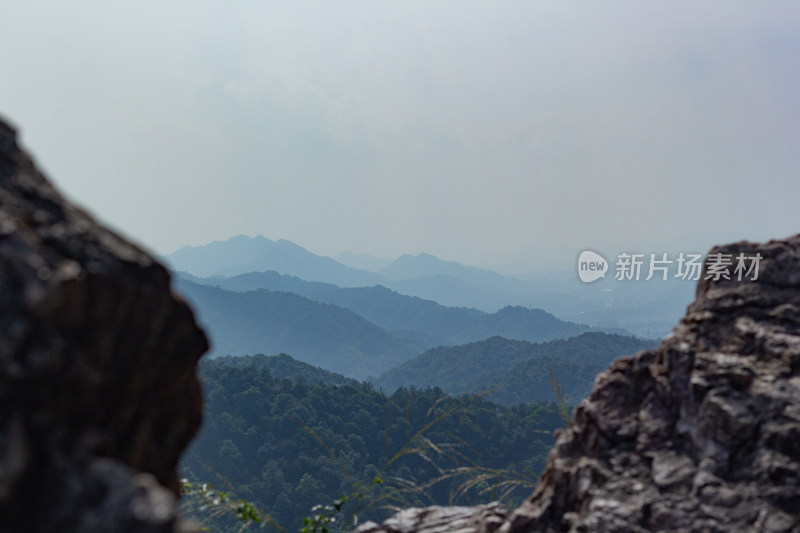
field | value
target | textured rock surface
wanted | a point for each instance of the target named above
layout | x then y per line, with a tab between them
98	390
702	434
479	519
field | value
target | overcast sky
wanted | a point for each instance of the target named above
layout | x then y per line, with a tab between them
484	132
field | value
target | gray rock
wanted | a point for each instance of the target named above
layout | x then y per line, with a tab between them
478	519
98	387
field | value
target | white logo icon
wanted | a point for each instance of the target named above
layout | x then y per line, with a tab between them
591	266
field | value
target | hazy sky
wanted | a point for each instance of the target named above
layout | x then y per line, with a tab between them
485	132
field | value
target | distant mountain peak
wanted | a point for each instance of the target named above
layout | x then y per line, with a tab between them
243	254
245	238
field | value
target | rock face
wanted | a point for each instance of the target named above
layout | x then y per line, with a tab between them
478	519
98	390
702	434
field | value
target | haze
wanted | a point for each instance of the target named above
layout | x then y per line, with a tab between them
493	133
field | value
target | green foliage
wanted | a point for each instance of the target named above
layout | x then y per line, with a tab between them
289	445
323	517
213	506
555	384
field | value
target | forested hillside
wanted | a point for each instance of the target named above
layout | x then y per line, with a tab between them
513	371
287	445
285	366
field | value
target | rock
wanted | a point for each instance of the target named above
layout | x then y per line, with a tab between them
700	435
478	519
98	387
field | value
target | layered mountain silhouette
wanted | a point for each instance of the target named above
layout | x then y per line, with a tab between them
423	275
647	309
425	321
241	254
325	335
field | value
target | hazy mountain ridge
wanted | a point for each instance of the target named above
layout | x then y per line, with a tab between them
242	254
647	309
413	317
367	262
515	371
325	335
426	276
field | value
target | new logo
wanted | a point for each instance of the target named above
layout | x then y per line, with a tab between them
591	266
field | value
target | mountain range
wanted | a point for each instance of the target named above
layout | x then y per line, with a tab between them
242	254
340	339
409	316
423	275
647	309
